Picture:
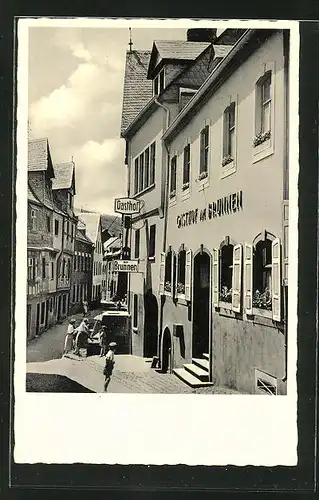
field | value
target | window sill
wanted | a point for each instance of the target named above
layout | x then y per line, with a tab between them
185	194
167	294
225	305
151	259
181	299
145	190
264	313
263	150
203	183
228	169
172	201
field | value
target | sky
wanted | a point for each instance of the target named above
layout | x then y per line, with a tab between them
75	100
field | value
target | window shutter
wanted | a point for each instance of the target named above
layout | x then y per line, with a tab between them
248	280
237	275
285	240
215	277
276	280
162	273
188	276
173	276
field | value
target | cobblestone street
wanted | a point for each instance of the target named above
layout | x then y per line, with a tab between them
48	371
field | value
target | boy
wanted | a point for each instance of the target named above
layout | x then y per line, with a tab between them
109	364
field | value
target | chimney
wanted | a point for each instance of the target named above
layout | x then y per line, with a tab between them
201	35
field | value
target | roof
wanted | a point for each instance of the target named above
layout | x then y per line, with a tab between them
82	237
112	224
92	223
63	176
138	90
110	242
181	50
39	157
32	197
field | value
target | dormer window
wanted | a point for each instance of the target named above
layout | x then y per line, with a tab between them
159	82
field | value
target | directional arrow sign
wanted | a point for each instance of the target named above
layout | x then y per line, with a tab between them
126	266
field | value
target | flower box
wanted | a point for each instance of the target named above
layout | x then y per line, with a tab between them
227	159
262	300
225	294
185	186
172	194
168	286
180	288
260	138
203	175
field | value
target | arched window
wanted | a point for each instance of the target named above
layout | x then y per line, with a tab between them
181	268
262	275
168	272
226	272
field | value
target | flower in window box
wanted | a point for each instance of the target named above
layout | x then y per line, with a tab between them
168	286
172	194
180	288
262	300
225	294
260	138
203	175
185	186
227	159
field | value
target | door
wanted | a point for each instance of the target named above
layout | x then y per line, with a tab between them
46	312
201	304
166	364
150	324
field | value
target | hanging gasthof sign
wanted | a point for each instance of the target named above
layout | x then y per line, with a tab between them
126	266
127	206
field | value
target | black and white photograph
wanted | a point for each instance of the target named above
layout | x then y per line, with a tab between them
156	237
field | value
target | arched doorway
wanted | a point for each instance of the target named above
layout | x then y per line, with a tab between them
166	351
201	304
150	324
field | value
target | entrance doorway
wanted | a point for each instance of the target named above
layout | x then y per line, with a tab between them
166	364
201	304
150	324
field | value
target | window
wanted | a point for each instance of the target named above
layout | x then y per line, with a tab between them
181	268
168	272
152	164
229	134
204	150
33	220
70	200
48	223
135	310
63	267
226	273
159	83
262	263
144	169
56	227
263	109
67	229
172	188
31	268
73	293
186	166
52	270
42	312
137	244
43	268
74	262
152	242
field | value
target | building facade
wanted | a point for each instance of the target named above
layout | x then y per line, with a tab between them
157	84
92	222
49	251
223	276
81	283
110	279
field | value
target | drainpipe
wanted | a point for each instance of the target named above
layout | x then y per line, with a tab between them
164	209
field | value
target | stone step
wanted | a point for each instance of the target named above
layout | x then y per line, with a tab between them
197	371
205	355
202	363
189	379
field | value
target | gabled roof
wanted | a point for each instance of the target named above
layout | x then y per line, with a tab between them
92	224
180	50
82	237
39	157
138	90
63	176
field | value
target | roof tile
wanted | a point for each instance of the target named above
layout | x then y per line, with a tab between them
38	150
180	49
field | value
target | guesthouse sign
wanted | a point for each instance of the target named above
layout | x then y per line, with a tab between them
227	205
126	266
127	206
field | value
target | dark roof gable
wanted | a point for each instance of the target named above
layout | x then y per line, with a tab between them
39	156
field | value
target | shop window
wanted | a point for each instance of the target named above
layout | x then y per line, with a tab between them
186	166
172	185
56	227
204	153
226	273
181	272
152	242
137	244
135	310
263	109
168	285
229	139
